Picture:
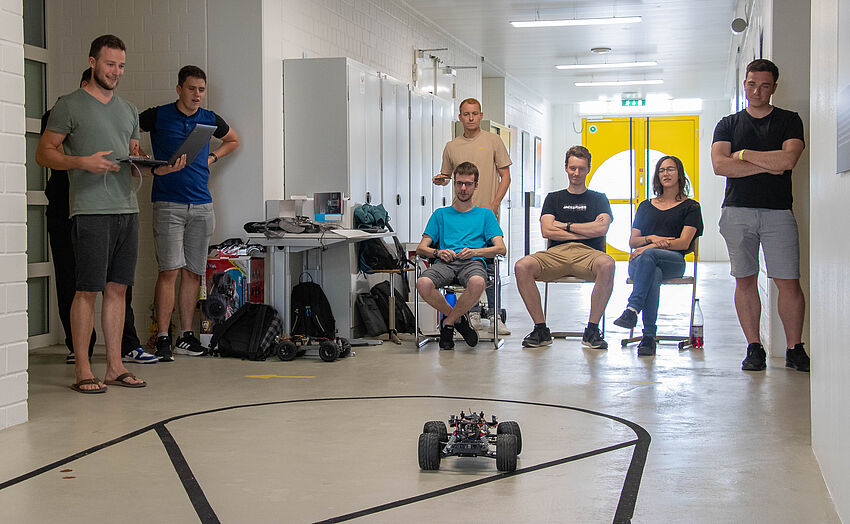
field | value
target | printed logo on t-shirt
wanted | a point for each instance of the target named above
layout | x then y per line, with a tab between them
575	207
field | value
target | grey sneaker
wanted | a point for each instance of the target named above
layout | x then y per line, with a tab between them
592	338
501	328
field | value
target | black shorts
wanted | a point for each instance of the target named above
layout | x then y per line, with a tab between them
105	249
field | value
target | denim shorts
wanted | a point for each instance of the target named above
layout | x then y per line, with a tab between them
745	228
181	235
105	249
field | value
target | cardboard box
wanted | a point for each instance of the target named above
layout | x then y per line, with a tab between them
229	283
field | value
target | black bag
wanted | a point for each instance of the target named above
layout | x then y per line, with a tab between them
250	333
370	314
404	320
311	311
374	254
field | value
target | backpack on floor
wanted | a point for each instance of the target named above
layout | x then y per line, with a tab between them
250	333
404	320
311	311
373	320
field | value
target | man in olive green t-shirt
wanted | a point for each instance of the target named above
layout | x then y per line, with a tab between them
87	132
488	153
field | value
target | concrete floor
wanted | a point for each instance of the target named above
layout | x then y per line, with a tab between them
726	446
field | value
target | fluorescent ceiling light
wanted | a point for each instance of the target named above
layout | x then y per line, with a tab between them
614	65
619	83
578	21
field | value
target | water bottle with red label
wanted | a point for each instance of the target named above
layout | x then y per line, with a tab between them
697	327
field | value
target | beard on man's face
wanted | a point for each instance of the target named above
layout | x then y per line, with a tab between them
101	81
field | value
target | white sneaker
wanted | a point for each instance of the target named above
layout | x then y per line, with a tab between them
502	329
475	321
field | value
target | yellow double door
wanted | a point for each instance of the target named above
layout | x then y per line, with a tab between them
624	153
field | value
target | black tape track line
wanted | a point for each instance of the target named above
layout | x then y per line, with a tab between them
623	514
190	483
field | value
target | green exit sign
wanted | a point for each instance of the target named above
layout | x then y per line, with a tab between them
641	102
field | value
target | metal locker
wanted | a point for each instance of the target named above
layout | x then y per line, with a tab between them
418	200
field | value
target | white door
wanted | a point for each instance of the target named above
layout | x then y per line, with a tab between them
427	157
402	172
357	107
373	137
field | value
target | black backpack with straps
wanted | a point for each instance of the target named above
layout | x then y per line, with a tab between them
311	311
249	333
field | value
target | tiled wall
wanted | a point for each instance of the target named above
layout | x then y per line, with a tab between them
13	240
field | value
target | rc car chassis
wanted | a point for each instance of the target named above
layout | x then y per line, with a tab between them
297	345
471	437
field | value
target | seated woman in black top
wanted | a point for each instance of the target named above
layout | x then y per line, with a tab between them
663	232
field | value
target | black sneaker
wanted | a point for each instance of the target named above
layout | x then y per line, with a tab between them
592	338
756	358
627	320
189	345
447	337
797	358
163	349
470	336
646	348
538	337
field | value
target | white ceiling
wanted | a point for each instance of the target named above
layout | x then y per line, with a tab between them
690	40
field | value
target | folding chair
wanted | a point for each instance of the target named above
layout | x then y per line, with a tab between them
455	287
684	341
565	280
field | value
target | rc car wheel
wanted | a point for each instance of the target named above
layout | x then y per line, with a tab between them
506	452
511	428
328	351
625	342
439	428
344	347
429	451
682	345
286	350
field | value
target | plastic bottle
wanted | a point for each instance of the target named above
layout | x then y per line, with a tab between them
697	329
451	298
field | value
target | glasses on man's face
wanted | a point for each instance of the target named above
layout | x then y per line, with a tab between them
464	184
671	170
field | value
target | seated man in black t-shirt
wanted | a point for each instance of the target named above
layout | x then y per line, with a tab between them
575	220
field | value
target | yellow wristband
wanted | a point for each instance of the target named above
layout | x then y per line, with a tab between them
741	154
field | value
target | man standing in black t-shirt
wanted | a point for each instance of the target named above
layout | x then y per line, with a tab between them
756	149
575	220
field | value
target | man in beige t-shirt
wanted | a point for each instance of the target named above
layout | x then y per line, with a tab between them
487	151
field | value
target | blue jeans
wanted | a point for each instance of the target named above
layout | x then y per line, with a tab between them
647	271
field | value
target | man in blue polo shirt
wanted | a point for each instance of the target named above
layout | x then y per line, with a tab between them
183	217
460	237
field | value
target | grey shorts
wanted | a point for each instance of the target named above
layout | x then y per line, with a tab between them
105	249
181	235
444	273
745	228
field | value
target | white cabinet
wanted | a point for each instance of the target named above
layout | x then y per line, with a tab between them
331	128
395	155
441	131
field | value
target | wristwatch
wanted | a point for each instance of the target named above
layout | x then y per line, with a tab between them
567	229
436	253
215	157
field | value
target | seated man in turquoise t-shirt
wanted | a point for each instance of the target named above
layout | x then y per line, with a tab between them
466	235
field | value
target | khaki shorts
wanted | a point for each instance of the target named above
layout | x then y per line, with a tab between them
571	259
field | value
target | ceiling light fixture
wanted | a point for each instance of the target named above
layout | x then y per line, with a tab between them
578	21
619	83
614	65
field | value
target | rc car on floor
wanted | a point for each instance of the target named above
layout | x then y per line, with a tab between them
471	437
297	345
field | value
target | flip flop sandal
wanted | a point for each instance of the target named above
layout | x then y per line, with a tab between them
86	381
120	380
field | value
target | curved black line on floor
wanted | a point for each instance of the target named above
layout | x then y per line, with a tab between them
625	506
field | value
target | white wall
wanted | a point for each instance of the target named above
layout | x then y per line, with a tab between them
830	280
13	216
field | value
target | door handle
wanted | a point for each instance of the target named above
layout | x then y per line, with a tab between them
444	201
368	197
398	200
423	200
